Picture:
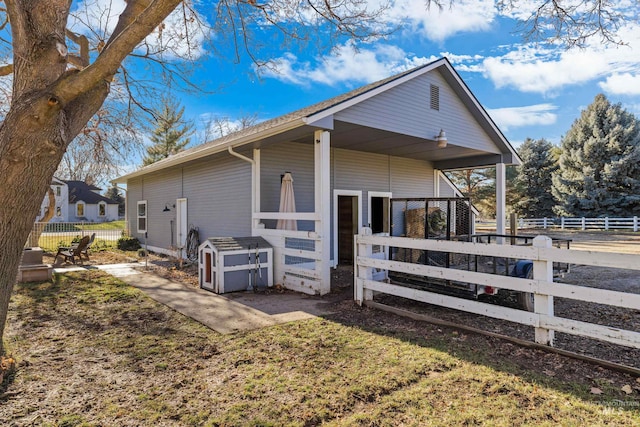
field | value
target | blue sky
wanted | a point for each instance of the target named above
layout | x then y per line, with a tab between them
530	90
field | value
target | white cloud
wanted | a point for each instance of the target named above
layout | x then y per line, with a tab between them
622	84
438	24
346	65
511	117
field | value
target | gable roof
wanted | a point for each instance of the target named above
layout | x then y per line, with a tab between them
315	114
81	191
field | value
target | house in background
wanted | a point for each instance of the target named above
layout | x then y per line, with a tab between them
77	201
349	156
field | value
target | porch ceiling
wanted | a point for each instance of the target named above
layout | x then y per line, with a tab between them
361	138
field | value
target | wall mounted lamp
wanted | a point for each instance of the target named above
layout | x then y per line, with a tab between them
441	139
167	208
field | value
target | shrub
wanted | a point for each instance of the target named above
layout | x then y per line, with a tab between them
128	244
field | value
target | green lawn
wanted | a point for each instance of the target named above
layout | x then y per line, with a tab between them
93	351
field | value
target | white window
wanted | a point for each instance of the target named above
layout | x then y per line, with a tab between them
58	191
102	209
142	216
80	209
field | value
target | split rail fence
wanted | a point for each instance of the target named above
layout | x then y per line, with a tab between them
541	285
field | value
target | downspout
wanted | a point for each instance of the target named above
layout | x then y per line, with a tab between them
253	180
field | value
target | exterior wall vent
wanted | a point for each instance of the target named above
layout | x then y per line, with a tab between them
435	97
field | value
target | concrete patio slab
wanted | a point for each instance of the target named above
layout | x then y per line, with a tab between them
226	313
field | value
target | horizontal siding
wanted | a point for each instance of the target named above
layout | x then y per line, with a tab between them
287	157
446	189
218	193
411	178
357	170
405	109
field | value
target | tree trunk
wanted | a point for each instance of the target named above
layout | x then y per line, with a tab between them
50	105
36	232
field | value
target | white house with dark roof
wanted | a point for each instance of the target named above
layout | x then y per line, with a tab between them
348	157
77	201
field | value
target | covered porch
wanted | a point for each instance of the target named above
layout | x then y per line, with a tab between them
303	258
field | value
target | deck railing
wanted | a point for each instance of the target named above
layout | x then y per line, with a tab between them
581	223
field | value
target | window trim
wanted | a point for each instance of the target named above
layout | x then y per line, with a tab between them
143	216
102	205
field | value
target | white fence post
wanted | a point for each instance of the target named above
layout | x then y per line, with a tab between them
606	223
584	223
635	223
562	223
544	223
365	273
543	304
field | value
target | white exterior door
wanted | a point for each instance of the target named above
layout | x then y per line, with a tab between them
181	224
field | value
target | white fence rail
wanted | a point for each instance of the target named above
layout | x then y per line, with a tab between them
607	223
541	285
296	258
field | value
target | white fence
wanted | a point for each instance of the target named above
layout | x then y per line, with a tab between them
296	258
51	235
581	223
541	285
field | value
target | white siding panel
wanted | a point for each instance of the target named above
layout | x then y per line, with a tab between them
405	109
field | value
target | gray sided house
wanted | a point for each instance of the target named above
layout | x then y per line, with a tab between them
348	156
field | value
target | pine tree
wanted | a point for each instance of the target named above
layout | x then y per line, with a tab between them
533	181
170	135
599	167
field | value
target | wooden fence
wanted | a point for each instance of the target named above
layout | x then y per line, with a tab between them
581	223
541	285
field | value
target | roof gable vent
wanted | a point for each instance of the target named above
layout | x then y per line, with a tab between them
435	97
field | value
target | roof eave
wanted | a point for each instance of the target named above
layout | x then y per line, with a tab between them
210	150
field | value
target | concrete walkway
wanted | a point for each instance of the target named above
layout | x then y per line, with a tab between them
223	313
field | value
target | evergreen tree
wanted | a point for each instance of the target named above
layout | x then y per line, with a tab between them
170	135
114	194
599	167
533	179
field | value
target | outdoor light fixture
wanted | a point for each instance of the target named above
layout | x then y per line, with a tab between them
167	208
441	139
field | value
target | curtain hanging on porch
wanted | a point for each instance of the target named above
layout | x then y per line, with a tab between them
287	203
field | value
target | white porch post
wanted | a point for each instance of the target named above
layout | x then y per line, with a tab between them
501	204
322	205
436	183
256	187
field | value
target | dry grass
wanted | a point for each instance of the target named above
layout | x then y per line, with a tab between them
94	351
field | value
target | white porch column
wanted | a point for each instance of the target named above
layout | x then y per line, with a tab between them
436	183
501	203
256	187
322	205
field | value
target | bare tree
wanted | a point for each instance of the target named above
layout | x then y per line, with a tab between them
57	90
572	23
218	126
